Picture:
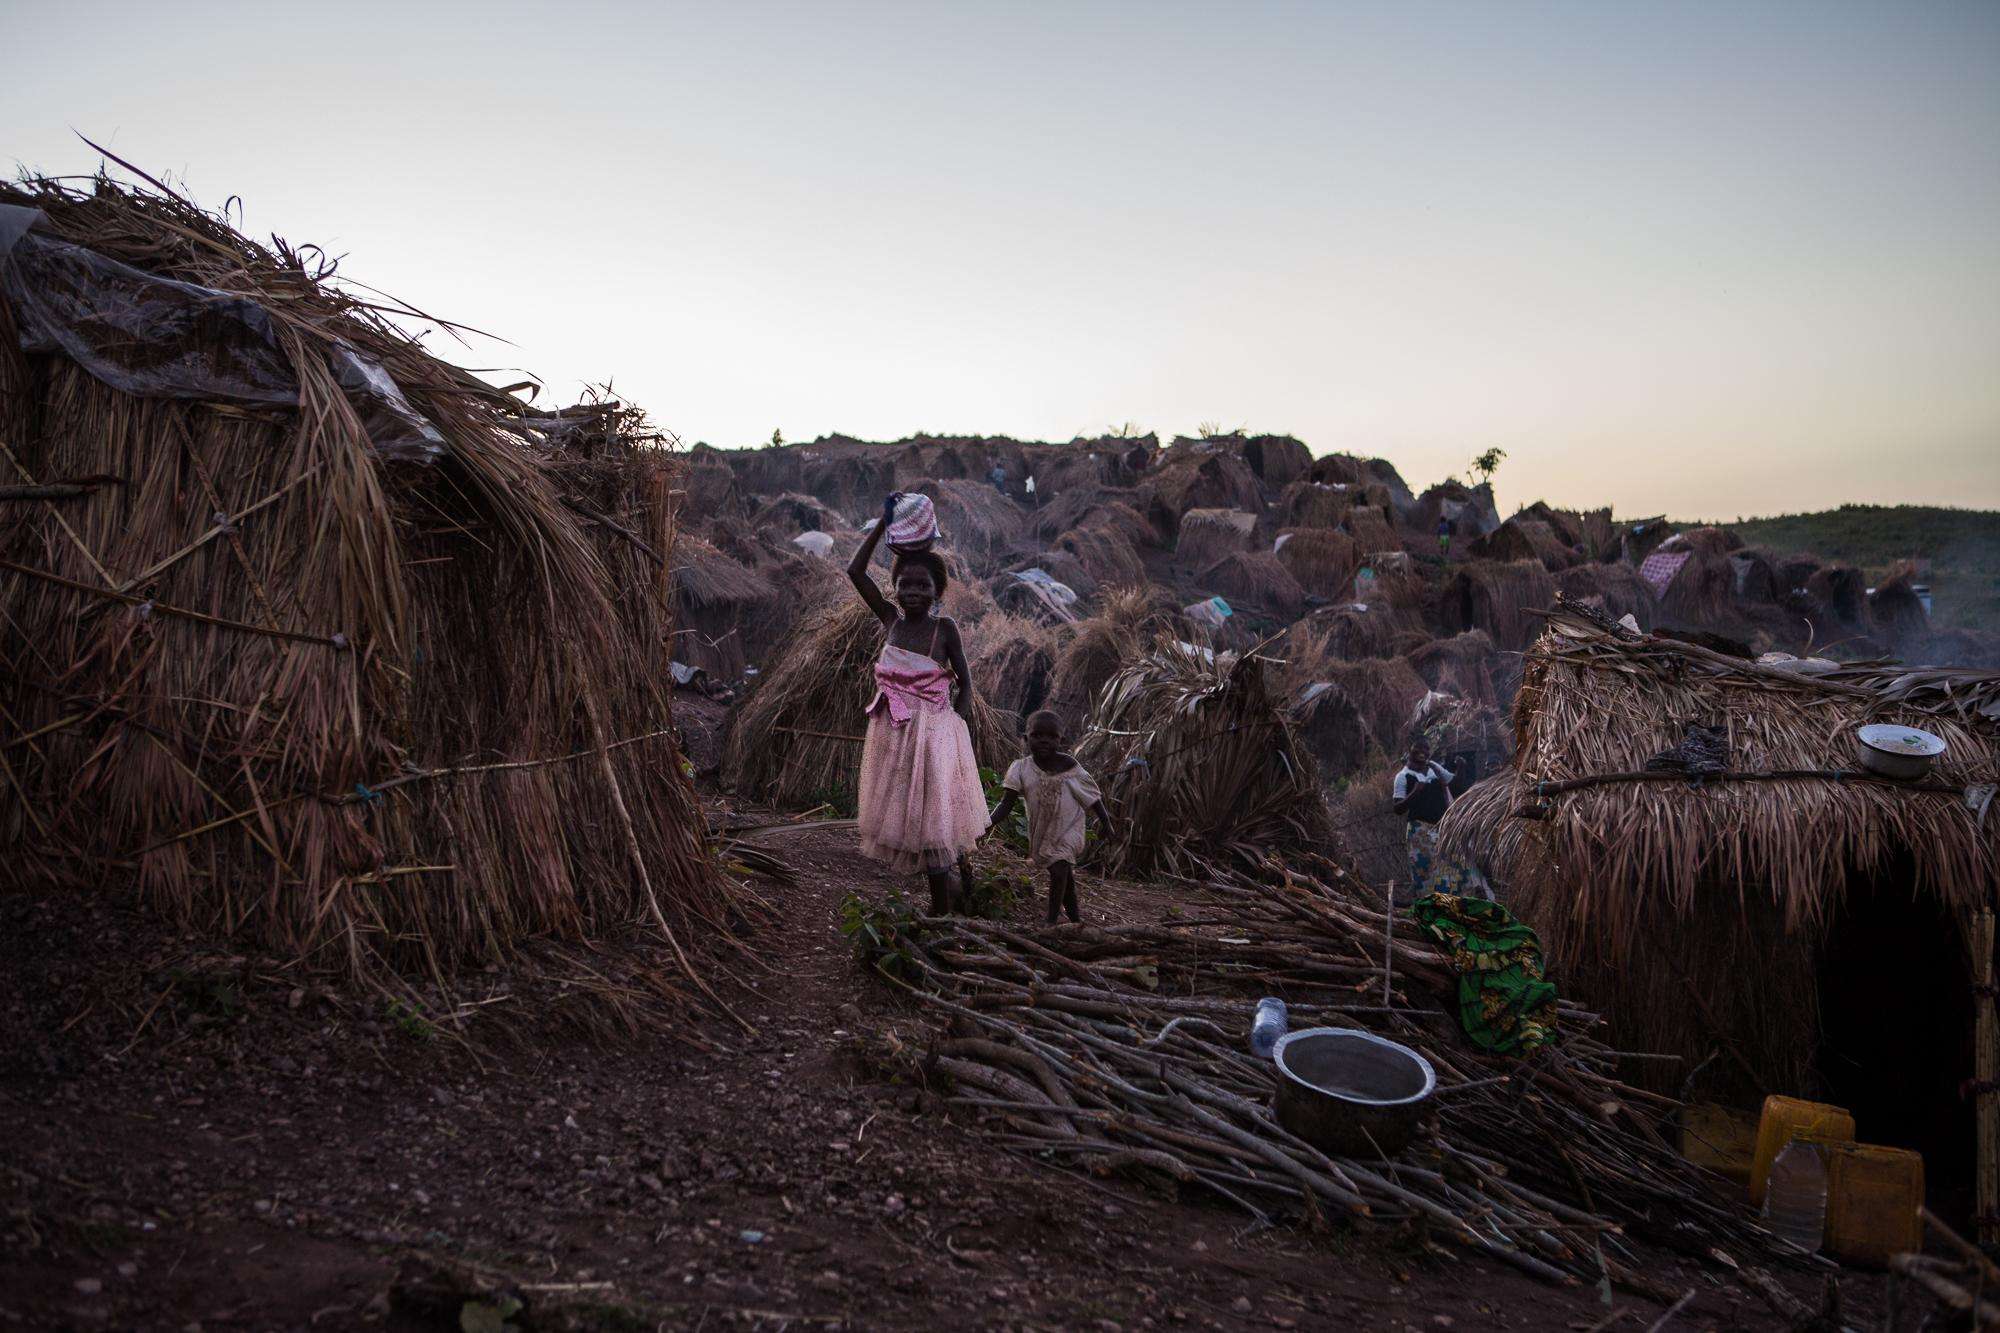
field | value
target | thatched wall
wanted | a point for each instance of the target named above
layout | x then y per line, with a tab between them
364	718
1277	460
1372	530
979	523
1462	665
1106	554
1615	589
1693	912
1321	559
1522	538
1314	504
1218	480
715	596
1498	598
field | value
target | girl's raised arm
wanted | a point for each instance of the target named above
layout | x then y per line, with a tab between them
857	569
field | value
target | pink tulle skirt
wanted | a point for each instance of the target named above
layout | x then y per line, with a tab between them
920	800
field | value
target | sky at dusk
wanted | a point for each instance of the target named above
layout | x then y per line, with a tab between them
1711	259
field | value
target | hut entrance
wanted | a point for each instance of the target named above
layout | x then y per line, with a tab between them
1896	1032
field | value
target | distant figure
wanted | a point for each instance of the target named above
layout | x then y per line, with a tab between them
1059	795
1422	793
1444	538
921	807
998	476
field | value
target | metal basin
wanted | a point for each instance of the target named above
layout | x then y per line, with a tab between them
1896	751
1349	1092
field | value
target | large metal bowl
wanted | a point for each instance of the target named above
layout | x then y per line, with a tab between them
1351	1093
1896	751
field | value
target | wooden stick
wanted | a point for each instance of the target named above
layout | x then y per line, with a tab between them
1986	1070
88	554
163	609
61	490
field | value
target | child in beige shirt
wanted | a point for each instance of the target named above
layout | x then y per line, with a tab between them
1059	796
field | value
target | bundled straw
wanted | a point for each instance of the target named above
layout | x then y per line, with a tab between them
1314	504
1013	659
1498	598
796	741
355	710
1522	538
1202	760
1097	648
1105	553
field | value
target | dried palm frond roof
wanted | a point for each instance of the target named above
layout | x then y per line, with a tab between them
1201	757
434	639
706	577
1801	829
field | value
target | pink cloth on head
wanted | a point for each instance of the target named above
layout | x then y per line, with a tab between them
914	524
921	804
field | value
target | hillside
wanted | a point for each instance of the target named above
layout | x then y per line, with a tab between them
1963	546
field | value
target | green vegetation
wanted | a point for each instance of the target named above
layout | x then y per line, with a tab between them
1962	545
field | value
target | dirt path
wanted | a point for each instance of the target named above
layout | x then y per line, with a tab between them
269	1159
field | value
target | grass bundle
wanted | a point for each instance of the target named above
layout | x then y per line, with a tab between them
1256	581
1746	876
1206	536
1105	552
364	718
1841	592
1095	651
1354	632
1497	598
1702	595
1896	614
1203	763
1321	559
796	741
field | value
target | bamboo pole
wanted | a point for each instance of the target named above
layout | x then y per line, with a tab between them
1986	1070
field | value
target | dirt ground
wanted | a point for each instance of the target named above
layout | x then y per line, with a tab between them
229	1146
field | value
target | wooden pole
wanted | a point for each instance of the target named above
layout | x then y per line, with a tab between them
1986	1070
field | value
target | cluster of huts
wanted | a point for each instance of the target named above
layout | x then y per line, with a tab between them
313	638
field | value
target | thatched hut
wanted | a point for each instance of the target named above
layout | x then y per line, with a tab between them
1013	661
1498	598
710	490
1201	760
1372	529
1321	559
1469	509
981	524
1840	591
1462	665
1256	581
715	597
1521	538
852	480
1207	535
1896	614
1803	923
1095	506
340	650
1277	460
1589	532
796	741
1315	504
1096	647
1200	480
789	513
1105	552
1615	589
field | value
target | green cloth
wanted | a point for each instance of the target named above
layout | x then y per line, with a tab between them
1504	1004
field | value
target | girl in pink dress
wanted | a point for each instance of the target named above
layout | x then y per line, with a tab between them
921	806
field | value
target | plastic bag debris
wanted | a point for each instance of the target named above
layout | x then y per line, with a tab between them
1061	593
155	337
815	543
1211	612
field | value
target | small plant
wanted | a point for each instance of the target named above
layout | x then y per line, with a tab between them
881	933
1486	464
1128	431
1211	430
410	1021
1015	832
777	438
208	993
994	897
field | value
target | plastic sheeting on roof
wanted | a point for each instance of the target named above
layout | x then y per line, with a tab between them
154	337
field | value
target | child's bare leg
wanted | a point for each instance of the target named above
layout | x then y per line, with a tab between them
1069	895
1062	888
940	885
964	882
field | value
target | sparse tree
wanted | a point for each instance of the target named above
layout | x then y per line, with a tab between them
1486	464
